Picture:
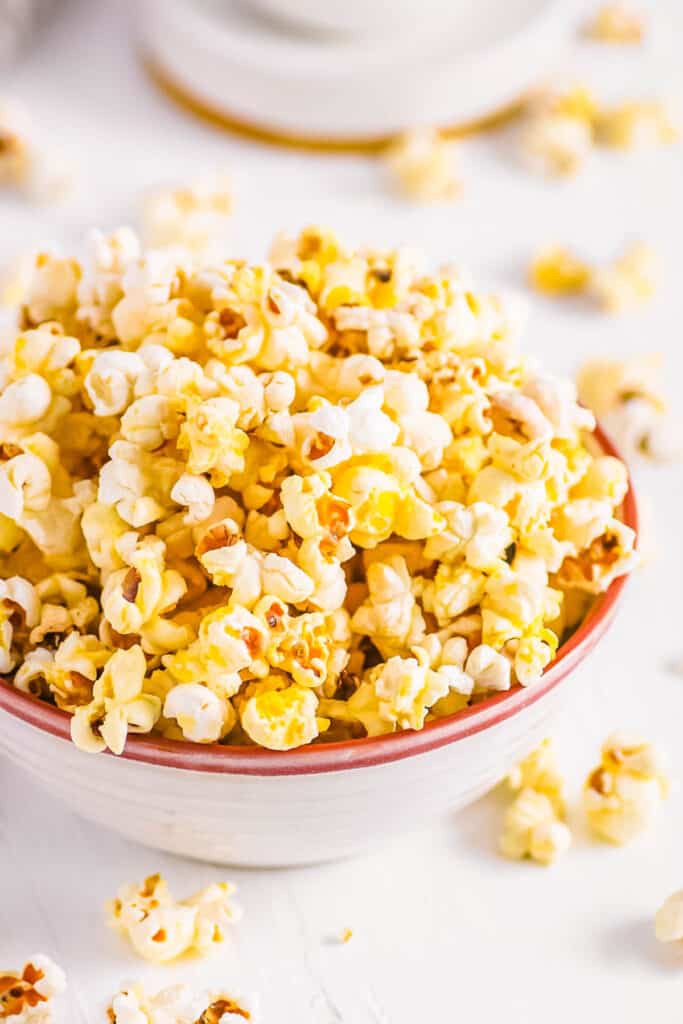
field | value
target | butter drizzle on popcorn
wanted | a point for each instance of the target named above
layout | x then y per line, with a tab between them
319	498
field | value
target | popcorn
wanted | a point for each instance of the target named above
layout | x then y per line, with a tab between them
561	130
557	271
421	164
539	771
616	23
119	705
390	616
627	397
26	996
178	1004
251	504
405	689
161	929
532	829
636	124
40	174
202	715
630	280
557	144
622	795
281	719
194	216
669	919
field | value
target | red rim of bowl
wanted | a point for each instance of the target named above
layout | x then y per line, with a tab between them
361	753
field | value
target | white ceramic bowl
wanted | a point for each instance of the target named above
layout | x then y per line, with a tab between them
255	807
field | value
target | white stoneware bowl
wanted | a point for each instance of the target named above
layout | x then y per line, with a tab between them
454	64
261	808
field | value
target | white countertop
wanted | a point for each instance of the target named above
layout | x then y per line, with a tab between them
444	929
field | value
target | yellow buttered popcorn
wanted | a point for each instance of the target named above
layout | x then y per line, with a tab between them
323	497
623	794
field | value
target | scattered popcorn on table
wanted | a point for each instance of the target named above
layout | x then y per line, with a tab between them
422	164
626	395
161	928
319	498
178	1004
631	279
36	172
194	216
669	919
26	996
616	23
623	794
345	935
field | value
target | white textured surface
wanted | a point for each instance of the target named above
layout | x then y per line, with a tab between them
443	929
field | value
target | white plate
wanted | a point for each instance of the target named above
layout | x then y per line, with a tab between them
474	60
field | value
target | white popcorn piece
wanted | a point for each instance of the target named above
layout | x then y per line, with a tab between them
203	716
532	829
624	793
422	165
669	919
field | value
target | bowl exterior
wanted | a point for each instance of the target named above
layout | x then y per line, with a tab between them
278	820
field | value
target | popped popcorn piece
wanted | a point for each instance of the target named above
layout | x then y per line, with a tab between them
193	216
27	996
203	716
616	23
540	771
390	616
345	935
119	705
36	171
669	919
636	124
532	829
178	1004
622	795
422	165
631	279
556	271
161	928
281	719
557	144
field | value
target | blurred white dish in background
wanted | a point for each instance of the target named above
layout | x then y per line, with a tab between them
361	18
450	63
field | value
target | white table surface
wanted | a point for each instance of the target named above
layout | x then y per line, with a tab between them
444	929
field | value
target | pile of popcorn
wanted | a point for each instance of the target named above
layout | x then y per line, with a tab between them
322	497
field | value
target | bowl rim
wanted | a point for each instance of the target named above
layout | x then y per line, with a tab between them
368	751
